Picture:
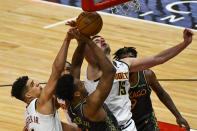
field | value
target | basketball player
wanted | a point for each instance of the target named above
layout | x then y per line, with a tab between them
142	83
88	111
40	114
118	100
62	103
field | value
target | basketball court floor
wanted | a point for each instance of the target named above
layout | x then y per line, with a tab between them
31	33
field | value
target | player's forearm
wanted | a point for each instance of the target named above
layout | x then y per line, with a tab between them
167	101
170	53
78	56
57	68
89	56
60	59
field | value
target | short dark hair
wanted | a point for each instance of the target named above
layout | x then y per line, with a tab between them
65	87
124	51
19	88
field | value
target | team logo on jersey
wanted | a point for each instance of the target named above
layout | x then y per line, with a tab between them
136	94
79	121
133	95
121	75
32	119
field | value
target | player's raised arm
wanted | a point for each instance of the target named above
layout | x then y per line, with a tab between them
137	64
57	68
97	98
88	52
78	56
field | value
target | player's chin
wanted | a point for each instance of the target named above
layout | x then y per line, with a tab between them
104	47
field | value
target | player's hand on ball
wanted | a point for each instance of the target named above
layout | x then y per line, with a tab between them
71	23
69	35
75	33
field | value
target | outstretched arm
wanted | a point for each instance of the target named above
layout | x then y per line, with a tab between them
137	64
57	68
165	98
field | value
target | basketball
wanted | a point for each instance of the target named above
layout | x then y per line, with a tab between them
89	23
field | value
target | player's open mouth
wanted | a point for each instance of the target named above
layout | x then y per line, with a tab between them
103	44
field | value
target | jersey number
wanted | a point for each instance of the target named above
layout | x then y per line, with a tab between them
122	90
133	103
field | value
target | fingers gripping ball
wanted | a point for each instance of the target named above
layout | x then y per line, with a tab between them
89	23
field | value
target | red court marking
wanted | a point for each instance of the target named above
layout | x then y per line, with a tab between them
169	127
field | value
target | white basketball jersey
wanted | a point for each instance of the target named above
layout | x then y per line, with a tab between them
118	99
39	122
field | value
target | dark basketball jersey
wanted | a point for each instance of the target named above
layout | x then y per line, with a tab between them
139	95
109	124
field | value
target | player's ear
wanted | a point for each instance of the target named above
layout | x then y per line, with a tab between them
28	95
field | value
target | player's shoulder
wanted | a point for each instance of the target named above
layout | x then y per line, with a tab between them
149	73
120	63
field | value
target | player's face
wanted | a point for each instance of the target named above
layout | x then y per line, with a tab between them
66	70
101	43
34	88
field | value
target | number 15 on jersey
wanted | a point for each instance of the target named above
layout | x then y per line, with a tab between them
122	90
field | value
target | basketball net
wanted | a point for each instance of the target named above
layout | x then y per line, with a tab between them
126	8
116	6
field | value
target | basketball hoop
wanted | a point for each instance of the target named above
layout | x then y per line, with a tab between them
116	6
126	8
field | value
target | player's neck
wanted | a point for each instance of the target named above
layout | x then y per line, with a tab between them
28	101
